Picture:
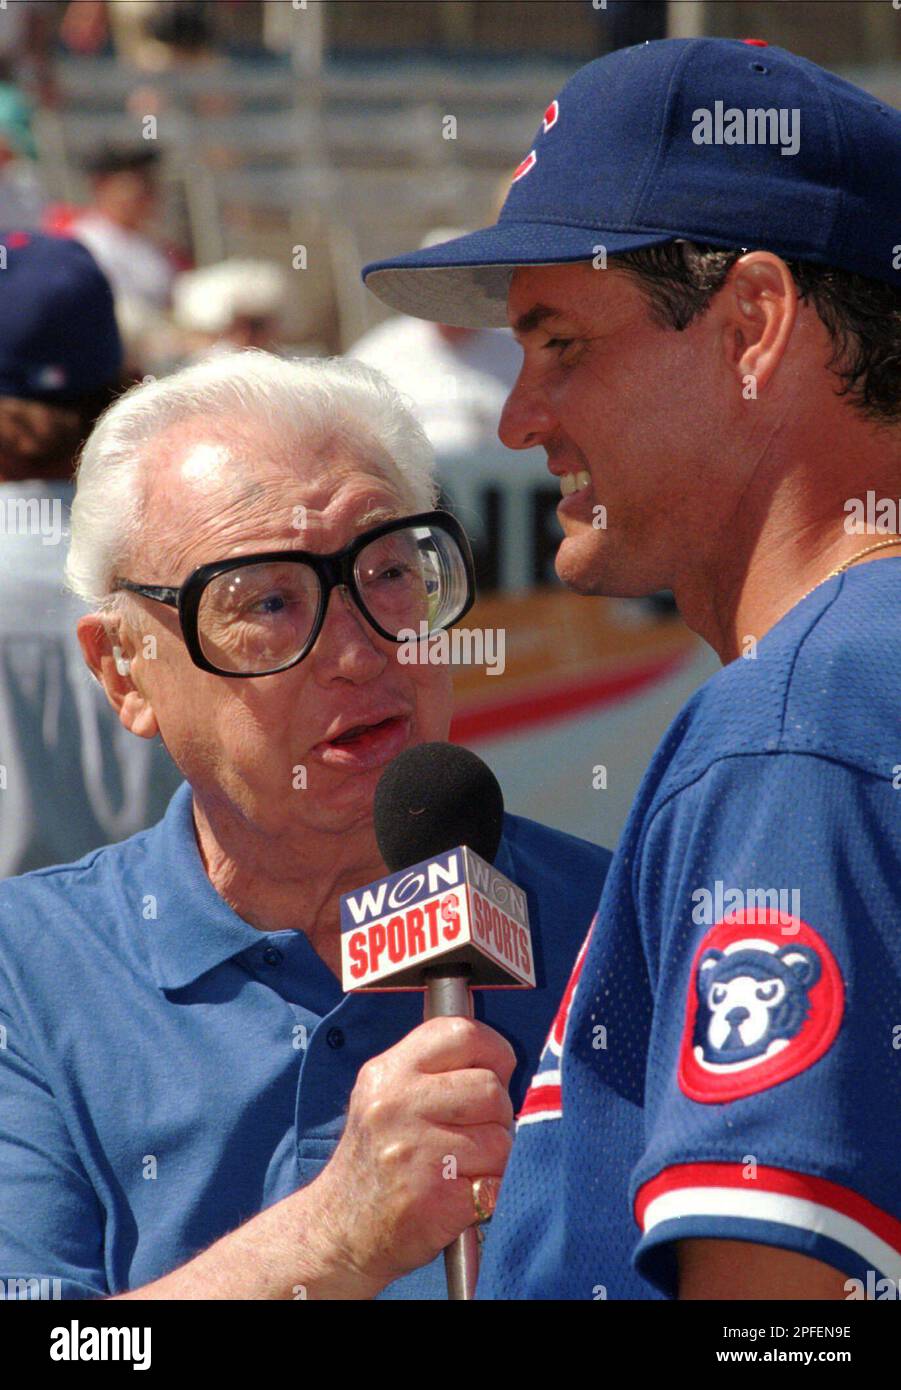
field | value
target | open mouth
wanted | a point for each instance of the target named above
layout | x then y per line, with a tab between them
361	731
576	495
364	746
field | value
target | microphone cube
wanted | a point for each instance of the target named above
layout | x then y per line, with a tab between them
453	908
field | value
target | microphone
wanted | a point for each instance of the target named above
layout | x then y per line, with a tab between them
445	919
433	797
444	912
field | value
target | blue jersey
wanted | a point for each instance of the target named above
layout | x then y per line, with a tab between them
726	1060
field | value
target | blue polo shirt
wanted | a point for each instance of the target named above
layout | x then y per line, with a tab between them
167	1071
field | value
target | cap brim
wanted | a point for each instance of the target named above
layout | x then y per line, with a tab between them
464	282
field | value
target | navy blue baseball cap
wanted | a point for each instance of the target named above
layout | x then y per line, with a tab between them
58	335
725	142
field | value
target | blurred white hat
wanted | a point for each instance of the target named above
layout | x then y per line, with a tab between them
435	235
210	299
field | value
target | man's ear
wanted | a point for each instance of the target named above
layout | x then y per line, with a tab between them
108	654
760	305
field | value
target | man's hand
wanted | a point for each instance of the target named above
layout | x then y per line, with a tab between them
425	1118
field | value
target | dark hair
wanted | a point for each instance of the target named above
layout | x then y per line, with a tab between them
182	24
863	316
121	159
42	440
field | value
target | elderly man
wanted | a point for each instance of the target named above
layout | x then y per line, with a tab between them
720	402
252	535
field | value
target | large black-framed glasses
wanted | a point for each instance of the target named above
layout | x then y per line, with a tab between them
256	615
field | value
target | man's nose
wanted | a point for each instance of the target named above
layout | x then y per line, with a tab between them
526	419
347	645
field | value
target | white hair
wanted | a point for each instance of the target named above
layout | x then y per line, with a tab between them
300	398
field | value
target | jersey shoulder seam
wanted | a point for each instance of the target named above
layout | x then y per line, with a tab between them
814	622
692	781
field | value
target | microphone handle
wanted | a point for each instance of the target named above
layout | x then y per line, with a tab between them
448	995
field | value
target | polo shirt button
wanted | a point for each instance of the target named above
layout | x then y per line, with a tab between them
272	955
335	1038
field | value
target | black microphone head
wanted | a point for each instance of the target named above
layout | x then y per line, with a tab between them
432	798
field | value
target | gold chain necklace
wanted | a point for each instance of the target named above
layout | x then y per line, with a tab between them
846	564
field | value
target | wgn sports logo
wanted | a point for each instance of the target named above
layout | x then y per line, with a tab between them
758	1011
751	1003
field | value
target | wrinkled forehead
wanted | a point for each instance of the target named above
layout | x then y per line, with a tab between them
206	466
230	490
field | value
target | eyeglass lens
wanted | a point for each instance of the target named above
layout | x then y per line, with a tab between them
258	618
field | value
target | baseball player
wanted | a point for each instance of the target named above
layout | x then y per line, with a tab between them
700	256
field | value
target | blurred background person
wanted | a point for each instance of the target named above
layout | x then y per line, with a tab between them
457	379
70	776
236	304
158	34
22	199
147	34
118	227
154	37
26	48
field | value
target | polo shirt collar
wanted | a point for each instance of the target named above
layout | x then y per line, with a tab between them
196	930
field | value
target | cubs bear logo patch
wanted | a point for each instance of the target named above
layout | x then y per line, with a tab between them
765	1001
